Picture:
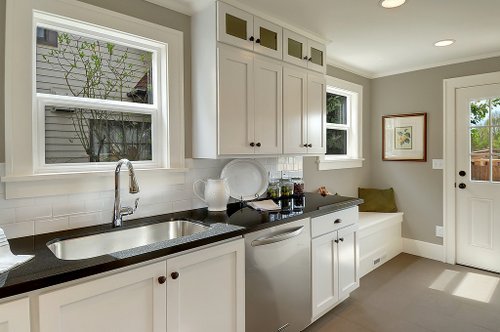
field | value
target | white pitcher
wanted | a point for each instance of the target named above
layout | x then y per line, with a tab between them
216	193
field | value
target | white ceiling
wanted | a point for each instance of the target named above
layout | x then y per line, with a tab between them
370	40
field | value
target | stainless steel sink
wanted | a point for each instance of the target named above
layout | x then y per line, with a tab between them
110	242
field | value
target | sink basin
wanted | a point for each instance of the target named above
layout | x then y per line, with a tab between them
110	242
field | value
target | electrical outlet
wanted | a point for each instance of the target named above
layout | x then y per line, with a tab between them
439	231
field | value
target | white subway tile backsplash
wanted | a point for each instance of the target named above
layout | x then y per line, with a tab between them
66	207
7	216
183	205
19	229
28	213
84	220
51	225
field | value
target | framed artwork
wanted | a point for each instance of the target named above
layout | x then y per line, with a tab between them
404	137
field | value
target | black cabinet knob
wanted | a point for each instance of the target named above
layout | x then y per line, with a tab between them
336	241
257	41
310	59
251	38
252	144
174	275
462	173
258	144
337	221
341	239
305	145
462	186
305	57
162	279
309	145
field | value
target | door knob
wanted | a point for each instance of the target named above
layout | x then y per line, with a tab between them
252	144
251	38
305	57
162	279
341	239
305	145
336	241
462	186
258	144
309	145
462	173
257	41
174	275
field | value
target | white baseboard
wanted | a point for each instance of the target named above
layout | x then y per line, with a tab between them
424	249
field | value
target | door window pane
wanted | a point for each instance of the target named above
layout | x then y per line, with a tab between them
316	56
480	167
294	48
236	27
336	108
479	112
268	38
336	142
495	165
480	140
93	68
83	135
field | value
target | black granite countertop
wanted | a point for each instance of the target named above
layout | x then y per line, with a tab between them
46	270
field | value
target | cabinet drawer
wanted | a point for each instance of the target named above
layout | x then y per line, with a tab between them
333	221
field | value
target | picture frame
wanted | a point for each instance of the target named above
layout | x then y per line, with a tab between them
404	137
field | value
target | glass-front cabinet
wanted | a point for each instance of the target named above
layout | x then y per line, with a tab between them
240	28
304	52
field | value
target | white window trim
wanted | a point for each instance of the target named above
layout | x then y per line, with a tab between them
354	157
20	123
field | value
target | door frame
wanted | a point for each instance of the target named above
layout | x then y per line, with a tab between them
449	171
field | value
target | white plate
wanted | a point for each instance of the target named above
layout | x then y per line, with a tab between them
246	178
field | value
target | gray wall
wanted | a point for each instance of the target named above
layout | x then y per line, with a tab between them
344	181
136	8
419	188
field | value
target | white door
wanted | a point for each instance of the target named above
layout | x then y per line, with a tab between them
15	316
316	107
130	301
294	110
294	48
236	101
268	111
478	176
348	261
206	290
268	38
234	26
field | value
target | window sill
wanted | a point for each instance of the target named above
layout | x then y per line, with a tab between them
329	164
40	185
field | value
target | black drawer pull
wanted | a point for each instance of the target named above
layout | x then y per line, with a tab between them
337	221
174	275
162	280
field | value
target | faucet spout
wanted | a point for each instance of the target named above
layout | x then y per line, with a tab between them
133	188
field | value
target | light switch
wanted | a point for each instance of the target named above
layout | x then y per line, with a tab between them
437	163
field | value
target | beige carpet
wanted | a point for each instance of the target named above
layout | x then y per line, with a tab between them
411	293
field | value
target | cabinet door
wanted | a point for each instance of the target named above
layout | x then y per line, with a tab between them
234	26
208	292
130	301
316	106
325	292
316	56
268	38
294	110
294	48
268	105
15	316
348	261
235	102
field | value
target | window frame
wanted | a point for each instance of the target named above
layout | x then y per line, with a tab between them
22	178
354	156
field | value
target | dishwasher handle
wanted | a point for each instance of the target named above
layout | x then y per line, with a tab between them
277	238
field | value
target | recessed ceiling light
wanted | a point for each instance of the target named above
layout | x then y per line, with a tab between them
392	3
443	43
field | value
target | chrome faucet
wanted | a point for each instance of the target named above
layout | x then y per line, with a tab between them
133	188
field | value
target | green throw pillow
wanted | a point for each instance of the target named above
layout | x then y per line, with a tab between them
377	200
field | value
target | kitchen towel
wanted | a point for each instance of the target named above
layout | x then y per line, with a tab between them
7	259
266	205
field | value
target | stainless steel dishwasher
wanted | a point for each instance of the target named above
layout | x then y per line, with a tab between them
278	278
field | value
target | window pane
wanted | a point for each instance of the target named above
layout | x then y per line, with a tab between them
480	167
93	68
495	162
479	110
294	48
236	27
81	135
268	38
316	56
336	108
336	141
480	140
495	112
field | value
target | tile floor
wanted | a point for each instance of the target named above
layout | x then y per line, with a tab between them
411	293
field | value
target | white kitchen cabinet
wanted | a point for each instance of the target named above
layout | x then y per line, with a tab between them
334	262
15	316
242	29
304	52
249	103
133	300
206	290
304	107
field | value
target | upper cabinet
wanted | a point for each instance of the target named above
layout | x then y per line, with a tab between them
304	52
240	28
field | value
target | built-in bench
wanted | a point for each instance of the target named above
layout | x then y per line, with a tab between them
379	238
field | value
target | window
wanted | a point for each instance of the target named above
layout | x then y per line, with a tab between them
343	125
86	87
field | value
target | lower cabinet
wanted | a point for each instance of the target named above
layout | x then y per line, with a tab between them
15	316
199	291
334	267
